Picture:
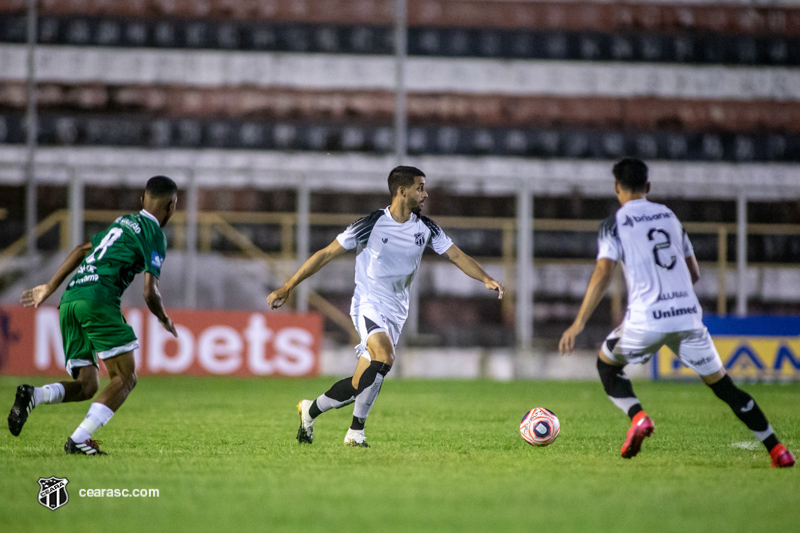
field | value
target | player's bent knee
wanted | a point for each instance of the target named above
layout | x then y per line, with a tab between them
714	378
89	389
90	383
604	368
383	368
383	354
388	358
380	348
130	380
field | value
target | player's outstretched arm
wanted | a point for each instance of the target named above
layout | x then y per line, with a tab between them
601	277
36	296
471	268
314	263
152	296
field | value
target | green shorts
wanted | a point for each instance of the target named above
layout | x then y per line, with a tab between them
91	329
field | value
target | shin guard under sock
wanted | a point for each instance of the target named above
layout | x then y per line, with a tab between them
368	391
618	387
340	394
746	409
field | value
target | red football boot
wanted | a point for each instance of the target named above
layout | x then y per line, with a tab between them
641	427
781	457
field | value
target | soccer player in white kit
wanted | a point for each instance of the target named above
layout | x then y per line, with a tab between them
660	269
389	245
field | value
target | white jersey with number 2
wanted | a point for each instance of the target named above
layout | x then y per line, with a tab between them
652	245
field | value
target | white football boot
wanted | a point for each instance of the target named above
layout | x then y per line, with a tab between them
356	437
306	432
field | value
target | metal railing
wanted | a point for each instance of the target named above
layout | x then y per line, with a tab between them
223	223
208	222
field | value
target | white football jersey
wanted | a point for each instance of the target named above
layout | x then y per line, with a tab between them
652	245
388	257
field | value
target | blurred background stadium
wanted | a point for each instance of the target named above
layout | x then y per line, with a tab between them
281	119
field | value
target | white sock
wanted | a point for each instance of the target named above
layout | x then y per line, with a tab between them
366	399
97	417
53	393
324	403
624	403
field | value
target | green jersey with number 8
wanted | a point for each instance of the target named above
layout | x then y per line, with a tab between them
132	244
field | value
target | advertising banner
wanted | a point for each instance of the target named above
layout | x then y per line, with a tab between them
764	348
231	343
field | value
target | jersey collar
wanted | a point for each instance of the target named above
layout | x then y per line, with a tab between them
388	213
149	215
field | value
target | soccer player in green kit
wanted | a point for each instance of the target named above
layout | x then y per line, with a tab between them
91	320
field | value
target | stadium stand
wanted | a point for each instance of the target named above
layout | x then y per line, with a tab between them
708	91
584	84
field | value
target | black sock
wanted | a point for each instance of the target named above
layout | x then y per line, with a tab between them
745	408
618	387
614	384
367	379
771	441
633	411
341	391
358	423
368	376
314	411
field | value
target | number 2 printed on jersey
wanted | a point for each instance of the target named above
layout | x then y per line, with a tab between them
652	235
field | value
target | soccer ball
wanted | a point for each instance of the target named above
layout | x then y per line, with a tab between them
539	427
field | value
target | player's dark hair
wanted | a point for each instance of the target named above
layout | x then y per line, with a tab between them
161	186
402	176
631	174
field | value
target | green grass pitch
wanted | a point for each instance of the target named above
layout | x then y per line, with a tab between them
445	456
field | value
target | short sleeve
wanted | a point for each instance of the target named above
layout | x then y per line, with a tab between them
359	231
439	242
688	249
155	252
608	243
347	238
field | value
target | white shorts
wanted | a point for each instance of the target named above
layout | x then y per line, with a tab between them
694	347
370	320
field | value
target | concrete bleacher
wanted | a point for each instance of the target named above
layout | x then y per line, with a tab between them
694	81
251	96
278	103
733	16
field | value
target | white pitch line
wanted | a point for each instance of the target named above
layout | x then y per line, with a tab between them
747	445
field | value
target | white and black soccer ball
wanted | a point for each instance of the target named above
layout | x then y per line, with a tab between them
539	427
